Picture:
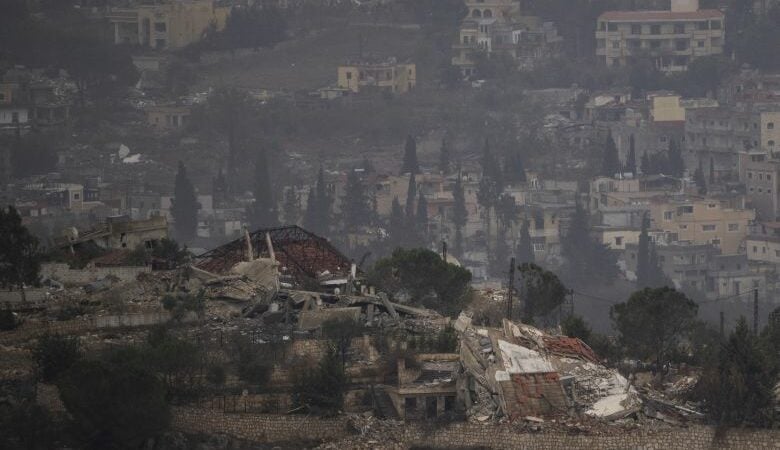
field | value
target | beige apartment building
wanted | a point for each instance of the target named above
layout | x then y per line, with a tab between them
169	25
760	173
388	75
702	221
672	38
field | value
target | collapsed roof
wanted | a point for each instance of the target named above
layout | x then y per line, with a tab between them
303	254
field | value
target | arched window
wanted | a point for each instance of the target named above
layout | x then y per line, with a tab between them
487	13
476	13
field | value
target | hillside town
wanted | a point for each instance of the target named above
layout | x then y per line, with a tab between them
389	224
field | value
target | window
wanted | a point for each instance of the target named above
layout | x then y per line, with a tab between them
712	205
538	246
708	227
76	196
763	250
704	25
487	13
655	29
681	61
715	242
688	209
615	44
612	27
634	43
760	176
679	28
700	44
733	227
349	75
636	29
684	227
160	27
619	241
668	215
655	44
770	143
777	253
750	175
770	126
715	24
681	44
755	249
768	177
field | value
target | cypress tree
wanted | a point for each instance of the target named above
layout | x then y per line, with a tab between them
490	186
323	205
643	256
712	170
611	163
676	163
355	209
411	194
396	226
184	208
646	169
310	216
421	217
460	213
525	249
514	169
631	159
445	164
701	183
264	211
588	261
410	164
291	210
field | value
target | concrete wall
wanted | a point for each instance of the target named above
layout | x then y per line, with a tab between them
32	329
69	277
271	428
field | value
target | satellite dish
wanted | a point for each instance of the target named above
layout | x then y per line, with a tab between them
123	151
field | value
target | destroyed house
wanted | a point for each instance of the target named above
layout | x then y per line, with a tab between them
301	254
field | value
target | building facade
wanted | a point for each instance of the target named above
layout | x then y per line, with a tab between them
702	221
671	38
170	25
494	27
388	75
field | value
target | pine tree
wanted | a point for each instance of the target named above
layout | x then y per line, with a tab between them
410	164
355	208
445	164
631	159
421	218
525	250
459	214
411	194
588	261
20	261
611	164
643	256
676	163
291	210
185	206
264	211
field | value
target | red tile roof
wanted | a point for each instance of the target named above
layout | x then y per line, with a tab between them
660	16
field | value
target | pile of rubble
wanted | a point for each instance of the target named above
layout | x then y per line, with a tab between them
519	372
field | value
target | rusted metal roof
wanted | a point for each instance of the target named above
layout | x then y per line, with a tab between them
304	254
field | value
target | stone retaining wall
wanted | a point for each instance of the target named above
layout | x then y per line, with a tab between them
271	428
69	277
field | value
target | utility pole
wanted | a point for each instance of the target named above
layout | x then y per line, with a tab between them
444	251
511	288
722	335
755	311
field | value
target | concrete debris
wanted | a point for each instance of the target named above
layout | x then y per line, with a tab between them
519	371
